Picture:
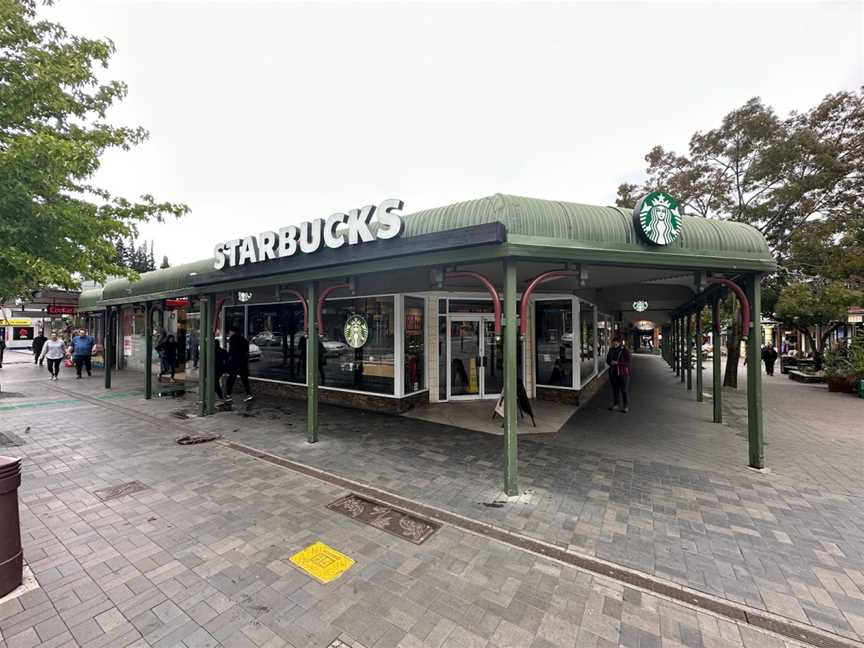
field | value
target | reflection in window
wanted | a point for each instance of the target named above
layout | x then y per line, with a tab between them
586	342
234	318
554	342
275	333
442	358
369	368
415	378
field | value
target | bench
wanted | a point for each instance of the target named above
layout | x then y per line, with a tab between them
800	376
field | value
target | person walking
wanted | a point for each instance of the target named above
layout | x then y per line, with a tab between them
38	342
220	366
54	350
769	357
619	360
169	350
82	350
238	364
2	347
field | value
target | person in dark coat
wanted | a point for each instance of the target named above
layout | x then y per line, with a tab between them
38	342
170	350
221	366
769	357
619	360
238	364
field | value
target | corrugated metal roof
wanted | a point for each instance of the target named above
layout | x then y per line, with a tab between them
611	226
170	282
88	299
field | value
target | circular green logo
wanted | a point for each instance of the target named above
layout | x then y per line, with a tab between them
356	331
658	217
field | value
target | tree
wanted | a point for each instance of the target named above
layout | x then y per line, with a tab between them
805	306
797	180
56	227
164	263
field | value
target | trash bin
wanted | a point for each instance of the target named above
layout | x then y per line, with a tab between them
861	388
11	558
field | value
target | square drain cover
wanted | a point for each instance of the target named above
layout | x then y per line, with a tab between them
122	490
322	562
399	523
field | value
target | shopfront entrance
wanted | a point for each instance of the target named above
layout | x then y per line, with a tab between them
476	362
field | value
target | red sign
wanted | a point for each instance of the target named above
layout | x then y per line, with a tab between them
56	309
183	302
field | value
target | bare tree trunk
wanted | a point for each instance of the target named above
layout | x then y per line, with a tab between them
733	350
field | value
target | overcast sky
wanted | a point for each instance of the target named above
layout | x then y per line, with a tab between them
266	114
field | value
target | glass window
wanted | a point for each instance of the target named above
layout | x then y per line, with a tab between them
586	338
369	368
554	342
277	346
415	351
234	318
471	306
442	358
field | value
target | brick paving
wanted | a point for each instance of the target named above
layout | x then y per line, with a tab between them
200	558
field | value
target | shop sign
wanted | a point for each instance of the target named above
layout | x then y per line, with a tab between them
640	306
333	232
658	217
59	309
182	302
22	321
356	331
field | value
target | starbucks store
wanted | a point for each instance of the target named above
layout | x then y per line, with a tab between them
504	301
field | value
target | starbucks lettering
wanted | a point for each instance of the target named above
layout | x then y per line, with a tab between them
337	230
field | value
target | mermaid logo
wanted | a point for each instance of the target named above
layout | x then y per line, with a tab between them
658	217
356	331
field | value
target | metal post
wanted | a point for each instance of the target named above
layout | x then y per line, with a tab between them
682	345
109	346
689	359
209	356
699	397
718	380
148	350
511	460
674	344
754	374
204	323
312	366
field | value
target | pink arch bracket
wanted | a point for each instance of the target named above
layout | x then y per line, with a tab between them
742	298
319	317
526	296
496	300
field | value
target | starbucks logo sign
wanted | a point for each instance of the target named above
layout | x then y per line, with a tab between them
640	306
356	331
658	217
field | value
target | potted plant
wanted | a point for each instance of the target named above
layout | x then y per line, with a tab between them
844	367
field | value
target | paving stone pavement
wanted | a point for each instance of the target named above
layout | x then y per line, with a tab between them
200	557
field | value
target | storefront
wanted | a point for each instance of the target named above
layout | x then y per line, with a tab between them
369	308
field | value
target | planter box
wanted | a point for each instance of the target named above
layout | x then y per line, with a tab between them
801	376
842	385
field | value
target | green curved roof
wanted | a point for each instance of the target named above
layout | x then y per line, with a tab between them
610	227
88	299
158	284
550	224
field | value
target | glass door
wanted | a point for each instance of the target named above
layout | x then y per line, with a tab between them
463	368
492	360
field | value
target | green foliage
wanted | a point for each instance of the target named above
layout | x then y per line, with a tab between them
805	305
56	228
798	180
847	362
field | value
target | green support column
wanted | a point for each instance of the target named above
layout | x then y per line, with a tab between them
682	349
148	350
675	365
511	459
718	380
754	374
209	356
205	340
109	346
699	397
689	352
312	366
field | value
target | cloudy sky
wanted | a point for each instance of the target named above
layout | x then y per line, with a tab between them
266	114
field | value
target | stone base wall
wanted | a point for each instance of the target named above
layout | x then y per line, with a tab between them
577	397
369	402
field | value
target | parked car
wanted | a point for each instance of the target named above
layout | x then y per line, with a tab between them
333	347
267	339
254	352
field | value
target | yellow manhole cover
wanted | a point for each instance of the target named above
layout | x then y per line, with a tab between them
322	562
